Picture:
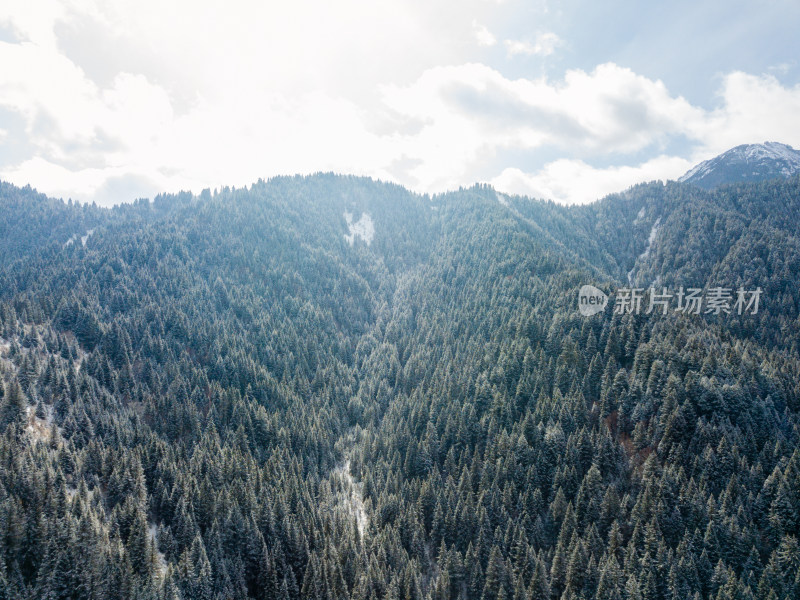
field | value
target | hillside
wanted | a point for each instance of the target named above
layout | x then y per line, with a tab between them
331	387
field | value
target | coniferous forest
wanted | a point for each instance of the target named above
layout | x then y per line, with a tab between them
243	395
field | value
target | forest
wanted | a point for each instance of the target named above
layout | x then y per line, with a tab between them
234	395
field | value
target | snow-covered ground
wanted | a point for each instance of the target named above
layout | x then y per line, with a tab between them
152	533
502	198
363	228
40	430
84	238
5	360
650	239
350	499
87	236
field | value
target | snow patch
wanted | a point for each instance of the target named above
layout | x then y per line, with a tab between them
152	533
83	238
502	198
650	239
349	497
363	228
40	430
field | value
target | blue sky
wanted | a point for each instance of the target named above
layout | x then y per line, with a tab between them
568	100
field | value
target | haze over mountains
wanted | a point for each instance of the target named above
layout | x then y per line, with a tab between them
331	387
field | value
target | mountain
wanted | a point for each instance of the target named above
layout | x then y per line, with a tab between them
332	387
745	163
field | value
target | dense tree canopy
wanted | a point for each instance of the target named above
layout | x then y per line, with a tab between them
220	397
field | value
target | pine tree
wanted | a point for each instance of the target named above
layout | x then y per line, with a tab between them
13	406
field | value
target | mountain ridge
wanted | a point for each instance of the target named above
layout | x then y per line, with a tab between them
745	163
226	396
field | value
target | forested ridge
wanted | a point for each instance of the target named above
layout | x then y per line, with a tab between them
219	396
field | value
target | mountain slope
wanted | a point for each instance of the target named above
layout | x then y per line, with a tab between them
234	396
745	163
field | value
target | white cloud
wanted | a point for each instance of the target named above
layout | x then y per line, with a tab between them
260	95
753	109
483	35
575	182
33	19
473	112
91	183
212	97
544	45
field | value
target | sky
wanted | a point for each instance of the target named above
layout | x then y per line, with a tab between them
568	100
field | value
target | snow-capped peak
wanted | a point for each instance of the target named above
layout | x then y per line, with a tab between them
748	162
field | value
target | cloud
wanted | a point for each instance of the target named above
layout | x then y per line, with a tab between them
544	45
32	20
483	35
610	114
473	111
192	95
94	184
576	182
127	185
753	109
188	96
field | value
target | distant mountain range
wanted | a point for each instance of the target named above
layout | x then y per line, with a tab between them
745	163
